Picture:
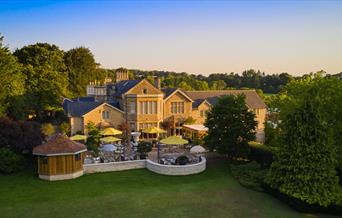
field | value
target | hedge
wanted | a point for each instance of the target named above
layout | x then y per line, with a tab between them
262	154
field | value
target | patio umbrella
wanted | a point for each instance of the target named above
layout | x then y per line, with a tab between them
197	149
174	140
153	130
110	131
78	137
109	139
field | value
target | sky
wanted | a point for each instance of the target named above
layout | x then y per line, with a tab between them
199	37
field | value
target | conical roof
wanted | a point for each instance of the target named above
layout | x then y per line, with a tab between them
59	145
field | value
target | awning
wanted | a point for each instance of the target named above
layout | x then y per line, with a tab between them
109	139
153	130
110	131
174	140
197	127
78	137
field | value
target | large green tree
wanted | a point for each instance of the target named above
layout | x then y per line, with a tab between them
310	111
305	167
231	125
46	77
81	68
11	79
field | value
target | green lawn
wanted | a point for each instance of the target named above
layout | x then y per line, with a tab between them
137	193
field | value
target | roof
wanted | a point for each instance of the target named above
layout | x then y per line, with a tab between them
59	145
79	108
197	127
171	91
253	100
124	86
168	91
197	103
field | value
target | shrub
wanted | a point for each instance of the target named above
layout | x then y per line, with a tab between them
251	175
144	147
65	128
262	154
10	162
48	129
182	160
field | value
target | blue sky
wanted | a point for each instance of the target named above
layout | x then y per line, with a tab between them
186	36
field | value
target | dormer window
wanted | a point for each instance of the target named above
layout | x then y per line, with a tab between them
145	91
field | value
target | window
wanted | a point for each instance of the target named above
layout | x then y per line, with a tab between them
132	107
145	91
177	107
147	107
202	113
77	157
43	160
105	114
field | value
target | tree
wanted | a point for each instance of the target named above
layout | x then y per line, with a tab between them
185	86
12	79
81	68
93	140
231	125
218	85
305	165
20	136
46	78
189	120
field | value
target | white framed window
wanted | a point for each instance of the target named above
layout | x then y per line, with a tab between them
105	114
132	107
177	107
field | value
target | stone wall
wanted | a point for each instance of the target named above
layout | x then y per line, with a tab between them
175	170
150	165
114	166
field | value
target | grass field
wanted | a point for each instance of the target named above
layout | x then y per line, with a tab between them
137	193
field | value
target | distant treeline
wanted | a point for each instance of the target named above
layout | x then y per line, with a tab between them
34	79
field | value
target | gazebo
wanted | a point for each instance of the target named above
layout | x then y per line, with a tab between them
60	158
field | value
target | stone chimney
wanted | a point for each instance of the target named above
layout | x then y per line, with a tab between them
157	82
121	74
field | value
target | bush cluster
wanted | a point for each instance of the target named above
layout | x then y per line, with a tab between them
10	162
262	154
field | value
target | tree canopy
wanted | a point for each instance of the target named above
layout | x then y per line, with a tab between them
231	125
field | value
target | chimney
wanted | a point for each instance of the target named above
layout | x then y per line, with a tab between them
121	74
157	82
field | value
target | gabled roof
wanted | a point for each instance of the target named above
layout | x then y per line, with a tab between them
79	108
104	103
253	100
198	102
59	145
171	91
168	91
124	86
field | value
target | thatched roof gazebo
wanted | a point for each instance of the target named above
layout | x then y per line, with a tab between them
60	158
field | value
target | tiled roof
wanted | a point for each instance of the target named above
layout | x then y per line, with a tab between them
79	108
197	102
125	85
253	100
168	91
59	144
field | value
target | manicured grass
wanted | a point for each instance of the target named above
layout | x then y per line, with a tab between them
137	193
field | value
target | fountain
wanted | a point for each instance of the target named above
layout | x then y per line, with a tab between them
135	136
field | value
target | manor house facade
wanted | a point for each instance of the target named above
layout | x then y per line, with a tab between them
142	105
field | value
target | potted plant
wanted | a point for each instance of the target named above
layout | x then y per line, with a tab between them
144	148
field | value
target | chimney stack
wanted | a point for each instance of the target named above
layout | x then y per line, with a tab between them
121	74
157	82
